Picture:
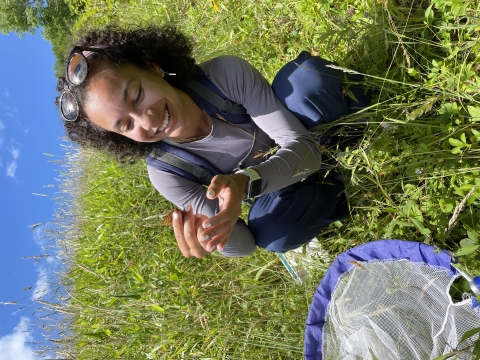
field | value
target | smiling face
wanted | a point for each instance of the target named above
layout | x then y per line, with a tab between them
141	105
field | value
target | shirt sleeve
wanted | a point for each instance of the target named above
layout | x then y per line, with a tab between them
298	155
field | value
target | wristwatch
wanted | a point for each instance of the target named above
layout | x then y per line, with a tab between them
254	187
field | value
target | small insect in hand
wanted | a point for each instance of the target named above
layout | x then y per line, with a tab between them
357	264
167	220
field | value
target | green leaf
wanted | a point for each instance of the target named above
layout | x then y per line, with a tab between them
476	351
372	354
98	335
473	235
412	71
456	142
425	231
351	95
420	226
463	138
446	356
133	296
467	250
429	15
467	242
260	272
137	276
474	113
469	333
457	150
158	308
173	277
402	223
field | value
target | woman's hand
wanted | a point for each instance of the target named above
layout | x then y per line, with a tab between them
230	191
187	229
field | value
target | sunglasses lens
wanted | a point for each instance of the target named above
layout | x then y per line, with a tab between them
77	69
69	106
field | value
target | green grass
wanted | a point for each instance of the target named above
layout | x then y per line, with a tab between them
129	294
133	293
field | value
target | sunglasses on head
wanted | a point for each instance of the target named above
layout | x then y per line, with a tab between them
76	70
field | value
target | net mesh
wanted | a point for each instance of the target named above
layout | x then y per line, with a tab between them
396	310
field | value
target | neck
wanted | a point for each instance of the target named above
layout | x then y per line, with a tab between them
201	124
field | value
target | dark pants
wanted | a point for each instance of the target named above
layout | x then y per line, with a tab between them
287	218
292	216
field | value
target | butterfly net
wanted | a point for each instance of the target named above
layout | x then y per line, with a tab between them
389	309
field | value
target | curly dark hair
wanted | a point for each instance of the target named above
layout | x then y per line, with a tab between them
164	46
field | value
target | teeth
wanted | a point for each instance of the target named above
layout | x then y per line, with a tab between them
165	120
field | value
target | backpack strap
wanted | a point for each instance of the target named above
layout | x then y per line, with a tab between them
224	105
181	162
211	100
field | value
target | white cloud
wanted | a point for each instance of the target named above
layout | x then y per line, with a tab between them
15	153
41	286
13	346
11	169
12	166
45	270
2	127
5	93
10	112
40	235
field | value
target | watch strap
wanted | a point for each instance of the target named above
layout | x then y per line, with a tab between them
254	181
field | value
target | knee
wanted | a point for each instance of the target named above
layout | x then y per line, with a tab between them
280	245
282	236
239	246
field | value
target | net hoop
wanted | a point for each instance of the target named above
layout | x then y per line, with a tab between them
382	250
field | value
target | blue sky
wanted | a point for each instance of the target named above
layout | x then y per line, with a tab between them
29	127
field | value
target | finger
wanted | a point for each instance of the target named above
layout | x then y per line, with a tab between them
216	185
210	243
222	244
190	233
229	214
218	237
217	242
177	222
218	230
199	229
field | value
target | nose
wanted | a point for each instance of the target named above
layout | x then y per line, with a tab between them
146	119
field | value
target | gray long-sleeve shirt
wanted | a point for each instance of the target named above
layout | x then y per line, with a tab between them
228	144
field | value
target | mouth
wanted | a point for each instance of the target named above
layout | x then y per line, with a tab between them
165	122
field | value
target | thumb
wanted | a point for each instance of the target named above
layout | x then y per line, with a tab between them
216	186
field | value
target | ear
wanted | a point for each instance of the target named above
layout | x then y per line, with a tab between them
156	69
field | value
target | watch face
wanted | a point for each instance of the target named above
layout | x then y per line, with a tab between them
255	187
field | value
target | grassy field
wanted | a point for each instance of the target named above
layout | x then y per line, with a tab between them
125	290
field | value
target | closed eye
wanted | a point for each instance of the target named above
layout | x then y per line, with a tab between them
139	95
128	126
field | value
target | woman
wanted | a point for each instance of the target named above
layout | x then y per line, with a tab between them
120	96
